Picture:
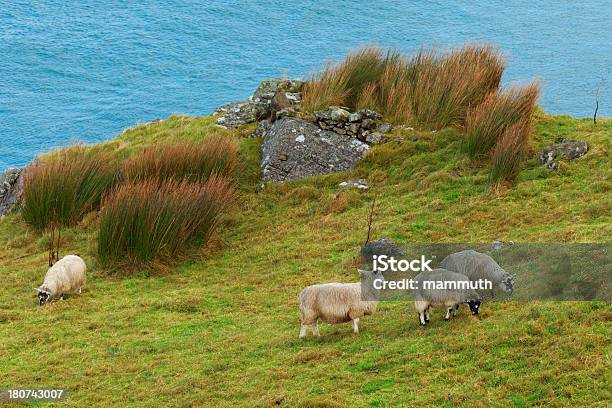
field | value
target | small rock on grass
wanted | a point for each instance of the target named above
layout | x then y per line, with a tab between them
568	150
360	184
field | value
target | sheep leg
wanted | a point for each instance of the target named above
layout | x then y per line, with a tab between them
427	315
356	325
456	312
448	313
303	331
79	291
62	296
422	320
315	329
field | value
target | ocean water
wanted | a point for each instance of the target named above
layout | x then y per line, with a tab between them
83	71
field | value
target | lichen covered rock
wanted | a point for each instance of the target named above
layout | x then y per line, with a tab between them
11	190
270	96
363	124
568	150
295	148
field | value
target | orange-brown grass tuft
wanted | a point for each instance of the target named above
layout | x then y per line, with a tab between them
158	221
429	89
343	83
487	122
61	188
391	93
447	85
217	155
509	152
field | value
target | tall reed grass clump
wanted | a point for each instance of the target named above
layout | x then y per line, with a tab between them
446	85
61	188
428	89
487	122
509	152
193	161
154	221
343	83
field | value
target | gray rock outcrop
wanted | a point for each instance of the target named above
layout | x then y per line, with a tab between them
295	148
270	96
568	150
364	124
11	190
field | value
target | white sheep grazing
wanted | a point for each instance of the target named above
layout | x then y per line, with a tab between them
476	265
65	277
425	297
337	302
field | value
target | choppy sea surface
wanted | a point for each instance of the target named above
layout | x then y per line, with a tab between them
83	71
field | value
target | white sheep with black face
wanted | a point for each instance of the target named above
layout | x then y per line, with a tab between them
338	302
458	291
476	265
66	276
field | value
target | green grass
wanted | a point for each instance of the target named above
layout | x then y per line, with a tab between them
222	329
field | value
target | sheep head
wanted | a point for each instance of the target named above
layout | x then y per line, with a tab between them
474	305
507	283
370	291
43	296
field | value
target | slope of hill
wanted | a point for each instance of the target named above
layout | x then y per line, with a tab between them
222	329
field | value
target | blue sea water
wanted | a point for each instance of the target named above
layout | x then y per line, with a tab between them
85	70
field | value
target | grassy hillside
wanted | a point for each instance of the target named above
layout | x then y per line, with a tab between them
223	329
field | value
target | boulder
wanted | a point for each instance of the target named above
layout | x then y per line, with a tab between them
268	88
237	114
295	148
11	190
380	247
340	115
568	150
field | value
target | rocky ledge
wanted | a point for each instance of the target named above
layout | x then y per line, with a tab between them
270	97
298	144
295	148
11	190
